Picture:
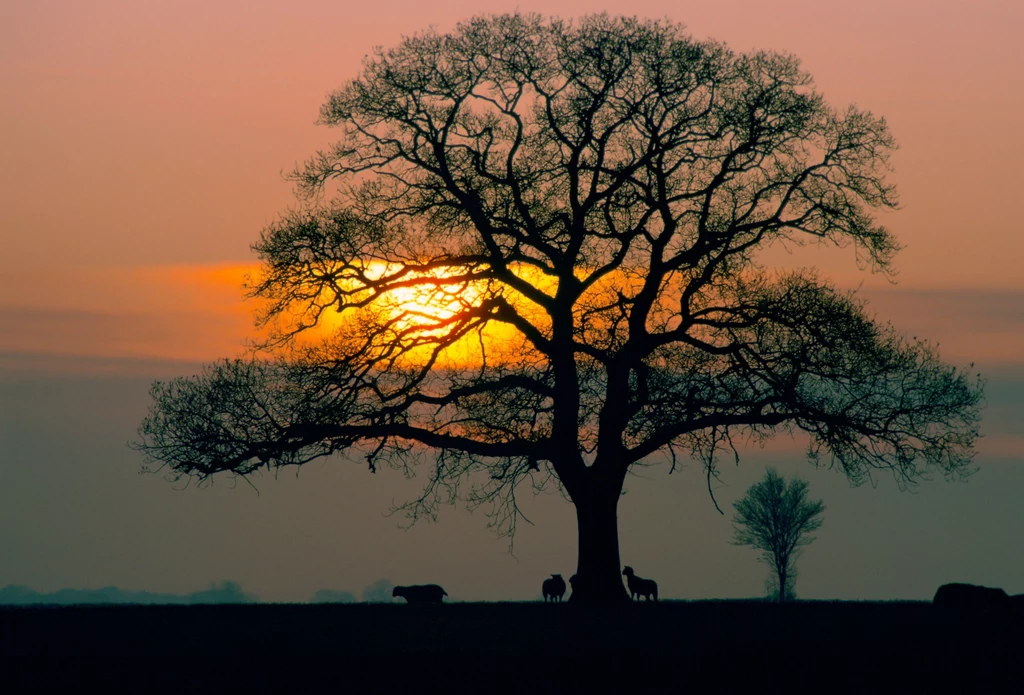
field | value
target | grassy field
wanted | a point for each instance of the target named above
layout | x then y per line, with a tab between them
700	646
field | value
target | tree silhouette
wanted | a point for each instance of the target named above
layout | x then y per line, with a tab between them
776	518
532	258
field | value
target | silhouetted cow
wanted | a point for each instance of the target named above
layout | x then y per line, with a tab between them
421	593
553	588
969	597
1017	606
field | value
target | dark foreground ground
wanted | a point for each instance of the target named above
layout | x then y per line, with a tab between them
703	646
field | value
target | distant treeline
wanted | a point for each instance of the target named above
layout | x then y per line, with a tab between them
223	592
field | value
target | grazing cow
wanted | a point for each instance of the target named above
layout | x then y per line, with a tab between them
553	588
1017	606
647	588
969	597
421	593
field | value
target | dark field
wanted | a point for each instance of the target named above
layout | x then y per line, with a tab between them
702	646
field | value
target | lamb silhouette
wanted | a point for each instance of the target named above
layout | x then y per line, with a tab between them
421	593
640	587
553	588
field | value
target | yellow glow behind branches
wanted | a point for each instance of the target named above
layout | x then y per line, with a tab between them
417	311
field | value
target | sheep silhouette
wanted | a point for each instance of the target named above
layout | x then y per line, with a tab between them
553	588
421	593
640	587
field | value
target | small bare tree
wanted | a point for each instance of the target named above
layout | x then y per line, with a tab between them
776	518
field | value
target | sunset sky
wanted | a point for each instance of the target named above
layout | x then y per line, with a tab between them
143	145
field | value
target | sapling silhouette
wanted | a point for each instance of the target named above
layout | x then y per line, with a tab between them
776	518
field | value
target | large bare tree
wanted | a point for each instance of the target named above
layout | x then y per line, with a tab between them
533	257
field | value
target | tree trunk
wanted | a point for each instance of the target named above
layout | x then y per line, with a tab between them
598	577
782	586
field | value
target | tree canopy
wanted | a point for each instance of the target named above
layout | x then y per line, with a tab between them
533	254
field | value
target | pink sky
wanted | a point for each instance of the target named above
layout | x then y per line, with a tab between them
144	139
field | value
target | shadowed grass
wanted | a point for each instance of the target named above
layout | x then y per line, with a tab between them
815	646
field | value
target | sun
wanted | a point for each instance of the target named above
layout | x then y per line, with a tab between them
422	310
418	309
425	308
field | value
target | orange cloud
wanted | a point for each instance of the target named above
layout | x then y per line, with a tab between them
198	313
191	313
